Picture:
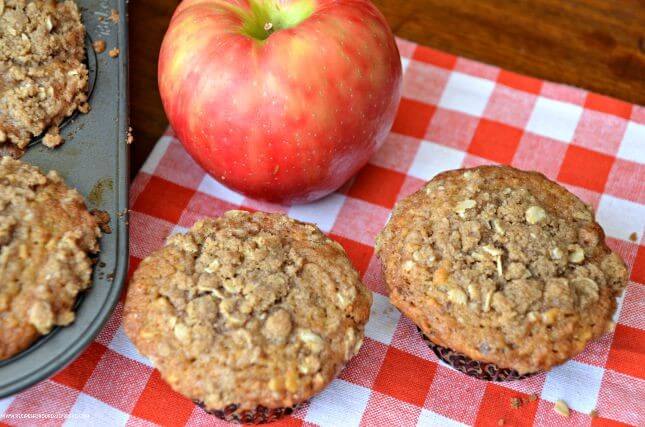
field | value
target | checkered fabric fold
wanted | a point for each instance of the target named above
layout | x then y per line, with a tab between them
454	113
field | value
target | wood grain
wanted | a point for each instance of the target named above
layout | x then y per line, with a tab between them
594	44
147	24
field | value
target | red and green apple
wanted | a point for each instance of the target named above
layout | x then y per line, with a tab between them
282	100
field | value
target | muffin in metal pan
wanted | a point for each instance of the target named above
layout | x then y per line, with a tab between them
46	237
43	75
94	162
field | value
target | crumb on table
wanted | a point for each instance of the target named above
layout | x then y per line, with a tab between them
515	402
530	398
561	408
114	52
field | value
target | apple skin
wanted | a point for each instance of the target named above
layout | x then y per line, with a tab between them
287	119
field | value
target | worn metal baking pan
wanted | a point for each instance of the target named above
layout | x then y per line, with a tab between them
95	160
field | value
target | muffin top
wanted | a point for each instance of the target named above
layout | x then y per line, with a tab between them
248	310
46	234
502	265
43	77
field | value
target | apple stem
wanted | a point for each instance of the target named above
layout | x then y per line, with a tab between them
268	27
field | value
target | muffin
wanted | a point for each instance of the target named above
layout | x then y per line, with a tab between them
249	315
43	77
46	237
505	272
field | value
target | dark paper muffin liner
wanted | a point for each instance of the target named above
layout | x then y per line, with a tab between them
259	415
480	370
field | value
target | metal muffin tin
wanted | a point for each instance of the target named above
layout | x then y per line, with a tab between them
94	160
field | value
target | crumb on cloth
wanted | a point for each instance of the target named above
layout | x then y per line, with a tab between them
515	402
561	408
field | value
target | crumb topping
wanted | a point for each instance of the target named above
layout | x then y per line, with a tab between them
514	262
43	78
45	237
248	309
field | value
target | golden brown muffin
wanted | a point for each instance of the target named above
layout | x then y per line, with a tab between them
502	266
46	234
43	78
248	314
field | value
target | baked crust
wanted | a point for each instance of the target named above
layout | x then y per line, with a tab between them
248	310
43	77
46	234
502	265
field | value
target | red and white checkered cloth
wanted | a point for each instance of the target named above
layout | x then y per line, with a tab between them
455	112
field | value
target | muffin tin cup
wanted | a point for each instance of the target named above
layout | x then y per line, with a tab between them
260	415
480	370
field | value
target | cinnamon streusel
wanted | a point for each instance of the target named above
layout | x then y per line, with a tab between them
505	272
46	234
249	314
43	78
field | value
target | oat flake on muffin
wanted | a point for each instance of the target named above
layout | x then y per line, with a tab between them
43	77
248	314
46	234
503	266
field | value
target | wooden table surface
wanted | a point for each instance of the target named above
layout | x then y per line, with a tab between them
594	44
